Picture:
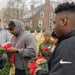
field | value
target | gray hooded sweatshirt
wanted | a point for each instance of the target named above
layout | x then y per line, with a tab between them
25	44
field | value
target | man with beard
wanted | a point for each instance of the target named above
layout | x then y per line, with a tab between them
62	61
23	45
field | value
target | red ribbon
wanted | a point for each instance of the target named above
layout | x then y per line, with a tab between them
8	45
0	45
45	49
38	57
47	57
32	65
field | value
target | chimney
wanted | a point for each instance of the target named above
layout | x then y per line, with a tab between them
32	6
47	1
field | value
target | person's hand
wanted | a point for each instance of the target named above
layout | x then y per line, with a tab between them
12	50
38	62
41	61
36	70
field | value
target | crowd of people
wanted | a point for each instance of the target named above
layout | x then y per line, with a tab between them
60	42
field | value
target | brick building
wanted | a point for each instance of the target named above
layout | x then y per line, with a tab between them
40	18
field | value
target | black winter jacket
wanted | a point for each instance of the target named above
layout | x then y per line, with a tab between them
62	61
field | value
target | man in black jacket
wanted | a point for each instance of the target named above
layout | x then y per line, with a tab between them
62	61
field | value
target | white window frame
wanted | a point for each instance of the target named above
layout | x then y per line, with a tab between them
42	14
40	23
51	15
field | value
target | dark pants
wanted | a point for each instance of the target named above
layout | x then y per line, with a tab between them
2	63
19	72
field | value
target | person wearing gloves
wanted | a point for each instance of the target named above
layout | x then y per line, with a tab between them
23	45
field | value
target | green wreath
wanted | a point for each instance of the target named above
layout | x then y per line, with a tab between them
44	66
6	69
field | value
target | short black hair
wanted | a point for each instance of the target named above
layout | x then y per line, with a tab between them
65	7
54	35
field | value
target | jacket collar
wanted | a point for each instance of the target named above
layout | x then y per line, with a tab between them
70	34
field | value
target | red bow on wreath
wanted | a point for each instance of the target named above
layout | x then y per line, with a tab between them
46	52
38	57
8	45
32	65
45	49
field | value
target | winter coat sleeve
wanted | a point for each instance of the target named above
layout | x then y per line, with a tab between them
7	36
30	49
41	72
63	61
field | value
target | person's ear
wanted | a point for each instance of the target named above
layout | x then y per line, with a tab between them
64	21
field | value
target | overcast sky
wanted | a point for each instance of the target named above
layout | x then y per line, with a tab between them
3	3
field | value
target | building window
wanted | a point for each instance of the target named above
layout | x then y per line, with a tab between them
30	23
40	23
50	15
50	23
42	14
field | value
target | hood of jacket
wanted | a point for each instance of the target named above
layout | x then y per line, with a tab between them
20	27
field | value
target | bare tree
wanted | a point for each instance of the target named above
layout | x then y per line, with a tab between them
15	9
